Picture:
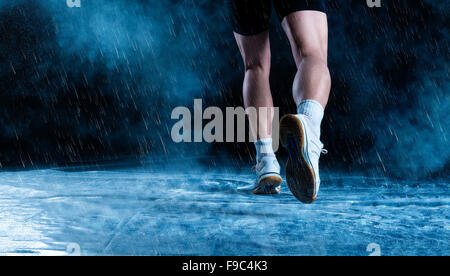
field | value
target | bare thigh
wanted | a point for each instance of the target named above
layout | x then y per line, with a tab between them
255	50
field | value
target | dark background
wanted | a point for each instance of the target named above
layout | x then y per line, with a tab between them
98	83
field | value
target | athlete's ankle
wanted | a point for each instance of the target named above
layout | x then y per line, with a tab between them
264	148
314	111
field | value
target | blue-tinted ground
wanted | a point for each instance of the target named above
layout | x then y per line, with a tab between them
137	212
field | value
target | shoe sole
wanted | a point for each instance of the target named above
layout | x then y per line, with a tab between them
268	186
300	175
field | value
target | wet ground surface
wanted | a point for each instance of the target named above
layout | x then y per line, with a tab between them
138	212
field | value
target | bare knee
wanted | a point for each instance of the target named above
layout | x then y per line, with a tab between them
317	53
259	65
257	60
314	58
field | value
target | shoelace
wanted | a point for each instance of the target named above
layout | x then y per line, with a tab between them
317	150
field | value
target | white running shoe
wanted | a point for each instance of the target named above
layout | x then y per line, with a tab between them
304	148
268	179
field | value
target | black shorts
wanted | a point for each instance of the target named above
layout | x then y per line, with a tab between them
251	17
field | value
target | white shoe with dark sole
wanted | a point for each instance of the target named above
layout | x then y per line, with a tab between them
268	178
304	148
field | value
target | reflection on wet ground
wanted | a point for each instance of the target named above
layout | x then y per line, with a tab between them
137	212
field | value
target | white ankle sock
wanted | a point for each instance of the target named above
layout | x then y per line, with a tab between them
264	148
314	111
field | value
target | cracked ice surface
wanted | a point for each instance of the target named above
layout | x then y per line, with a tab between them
138	212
